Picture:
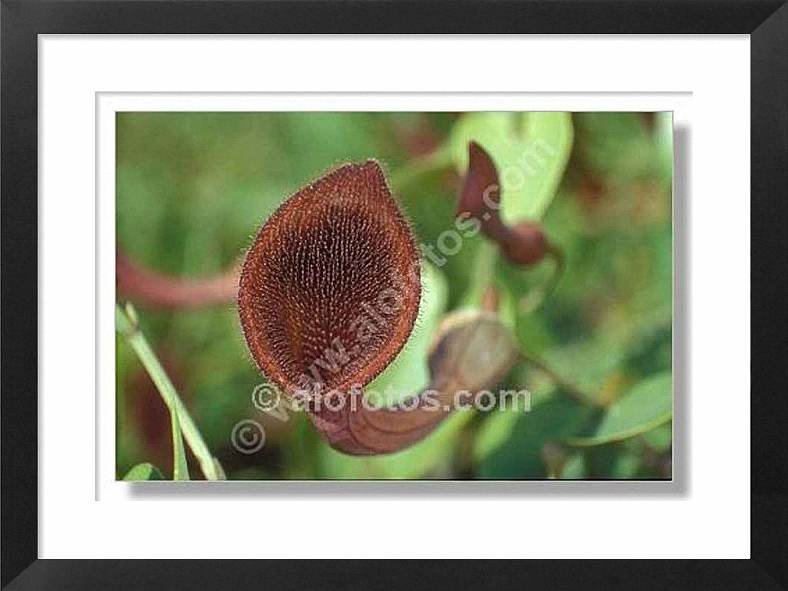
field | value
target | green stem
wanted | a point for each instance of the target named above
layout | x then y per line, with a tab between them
571	389
483	274
126	324
537	297
180	469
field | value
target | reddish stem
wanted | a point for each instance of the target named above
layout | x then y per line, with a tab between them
149	287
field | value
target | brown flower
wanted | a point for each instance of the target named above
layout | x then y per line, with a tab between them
330	288
329	293
524	243
480	196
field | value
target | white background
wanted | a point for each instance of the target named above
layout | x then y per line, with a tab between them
704	512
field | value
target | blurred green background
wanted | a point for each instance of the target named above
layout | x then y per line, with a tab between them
192	189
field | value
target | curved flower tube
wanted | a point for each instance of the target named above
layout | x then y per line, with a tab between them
329	293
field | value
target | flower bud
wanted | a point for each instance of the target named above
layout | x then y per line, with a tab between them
525	243
480	196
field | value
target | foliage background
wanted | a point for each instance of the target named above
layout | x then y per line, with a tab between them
192	189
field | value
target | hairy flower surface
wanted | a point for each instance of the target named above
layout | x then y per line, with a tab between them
330	288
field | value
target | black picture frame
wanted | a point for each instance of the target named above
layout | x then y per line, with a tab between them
765	21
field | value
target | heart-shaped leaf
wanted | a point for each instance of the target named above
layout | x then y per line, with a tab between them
647	405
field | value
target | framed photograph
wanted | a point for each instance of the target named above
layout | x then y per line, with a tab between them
429	271
277	284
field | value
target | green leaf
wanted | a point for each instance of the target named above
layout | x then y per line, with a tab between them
612	461
493	433
591	363
530	151
660	438
144	471
647	405
496	429
520	456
